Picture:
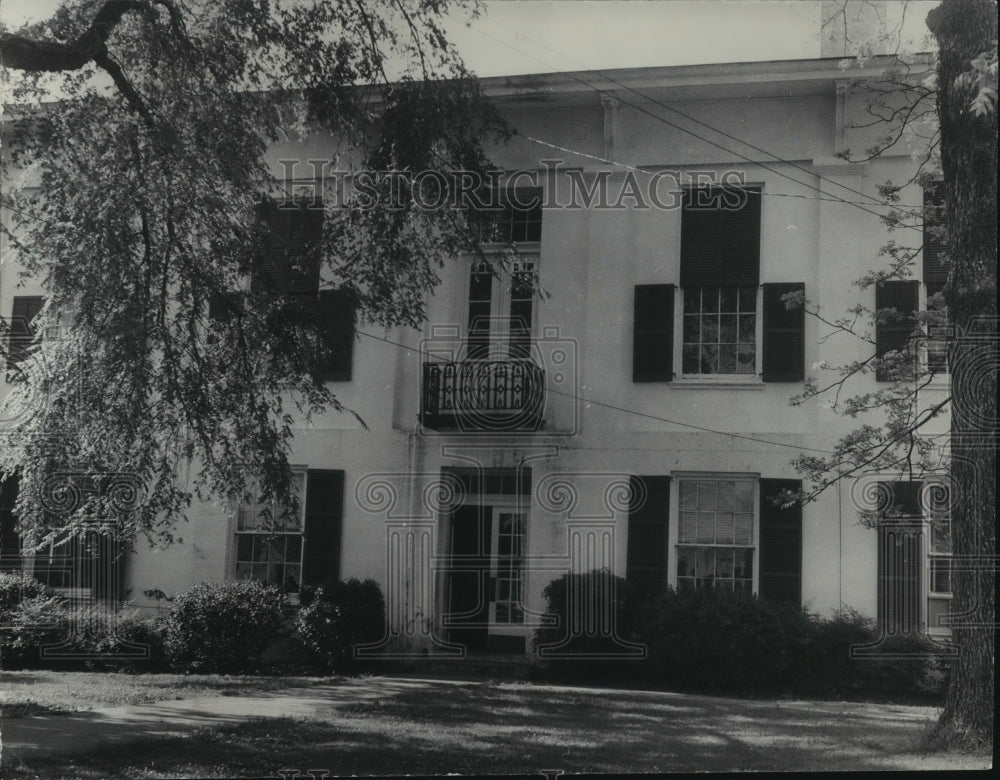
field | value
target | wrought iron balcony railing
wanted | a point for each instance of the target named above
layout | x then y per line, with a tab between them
483	395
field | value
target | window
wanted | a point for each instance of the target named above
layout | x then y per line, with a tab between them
735	532
939	559
517	220
720	259
937	329
508	567
715	540
293	550
290	260
501	310
289	266
25	309
269	542
720	330
724	331
895	326
915	559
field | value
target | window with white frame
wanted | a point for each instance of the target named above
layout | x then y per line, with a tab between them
939	557
720	330
715	535
269	541
720	259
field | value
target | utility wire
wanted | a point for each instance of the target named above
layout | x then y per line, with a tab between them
651	172
667	122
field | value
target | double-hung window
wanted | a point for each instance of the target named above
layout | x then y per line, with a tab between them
720	264
715	538
291	549
731	531
269	541
730	325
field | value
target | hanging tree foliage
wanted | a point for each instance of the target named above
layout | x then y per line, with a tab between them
136	199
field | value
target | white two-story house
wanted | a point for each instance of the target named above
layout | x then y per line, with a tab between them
637	416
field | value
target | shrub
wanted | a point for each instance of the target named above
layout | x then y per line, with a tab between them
119	636
222	627
899	668
718	641
37	621
580	633
335	618
17	586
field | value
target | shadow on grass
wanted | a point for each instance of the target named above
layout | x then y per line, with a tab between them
391	726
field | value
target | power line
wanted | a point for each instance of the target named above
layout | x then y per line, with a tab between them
624	410
667	122
648	172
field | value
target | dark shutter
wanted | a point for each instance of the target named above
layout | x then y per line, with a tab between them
336	322
720	237
896	333
653	333
25	309
290	252
780	543
784	335
900	561
646	565
324	518
10	541
935	272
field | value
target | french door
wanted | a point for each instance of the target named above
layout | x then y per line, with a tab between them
501	310
486	574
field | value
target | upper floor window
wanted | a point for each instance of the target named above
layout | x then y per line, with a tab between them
501	310
289	263
730	324
720	330
514	217
289	266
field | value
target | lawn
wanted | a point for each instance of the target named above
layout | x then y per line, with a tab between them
391	726
45	692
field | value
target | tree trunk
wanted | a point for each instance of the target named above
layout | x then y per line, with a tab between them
964	29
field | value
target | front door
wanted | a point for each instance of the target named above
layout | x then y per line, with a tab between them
486	578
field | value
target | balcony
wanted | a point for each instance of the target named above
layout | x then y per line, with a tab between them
483	396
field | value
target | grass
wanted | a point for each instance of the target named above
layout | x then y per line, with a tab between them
383	726
26	693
